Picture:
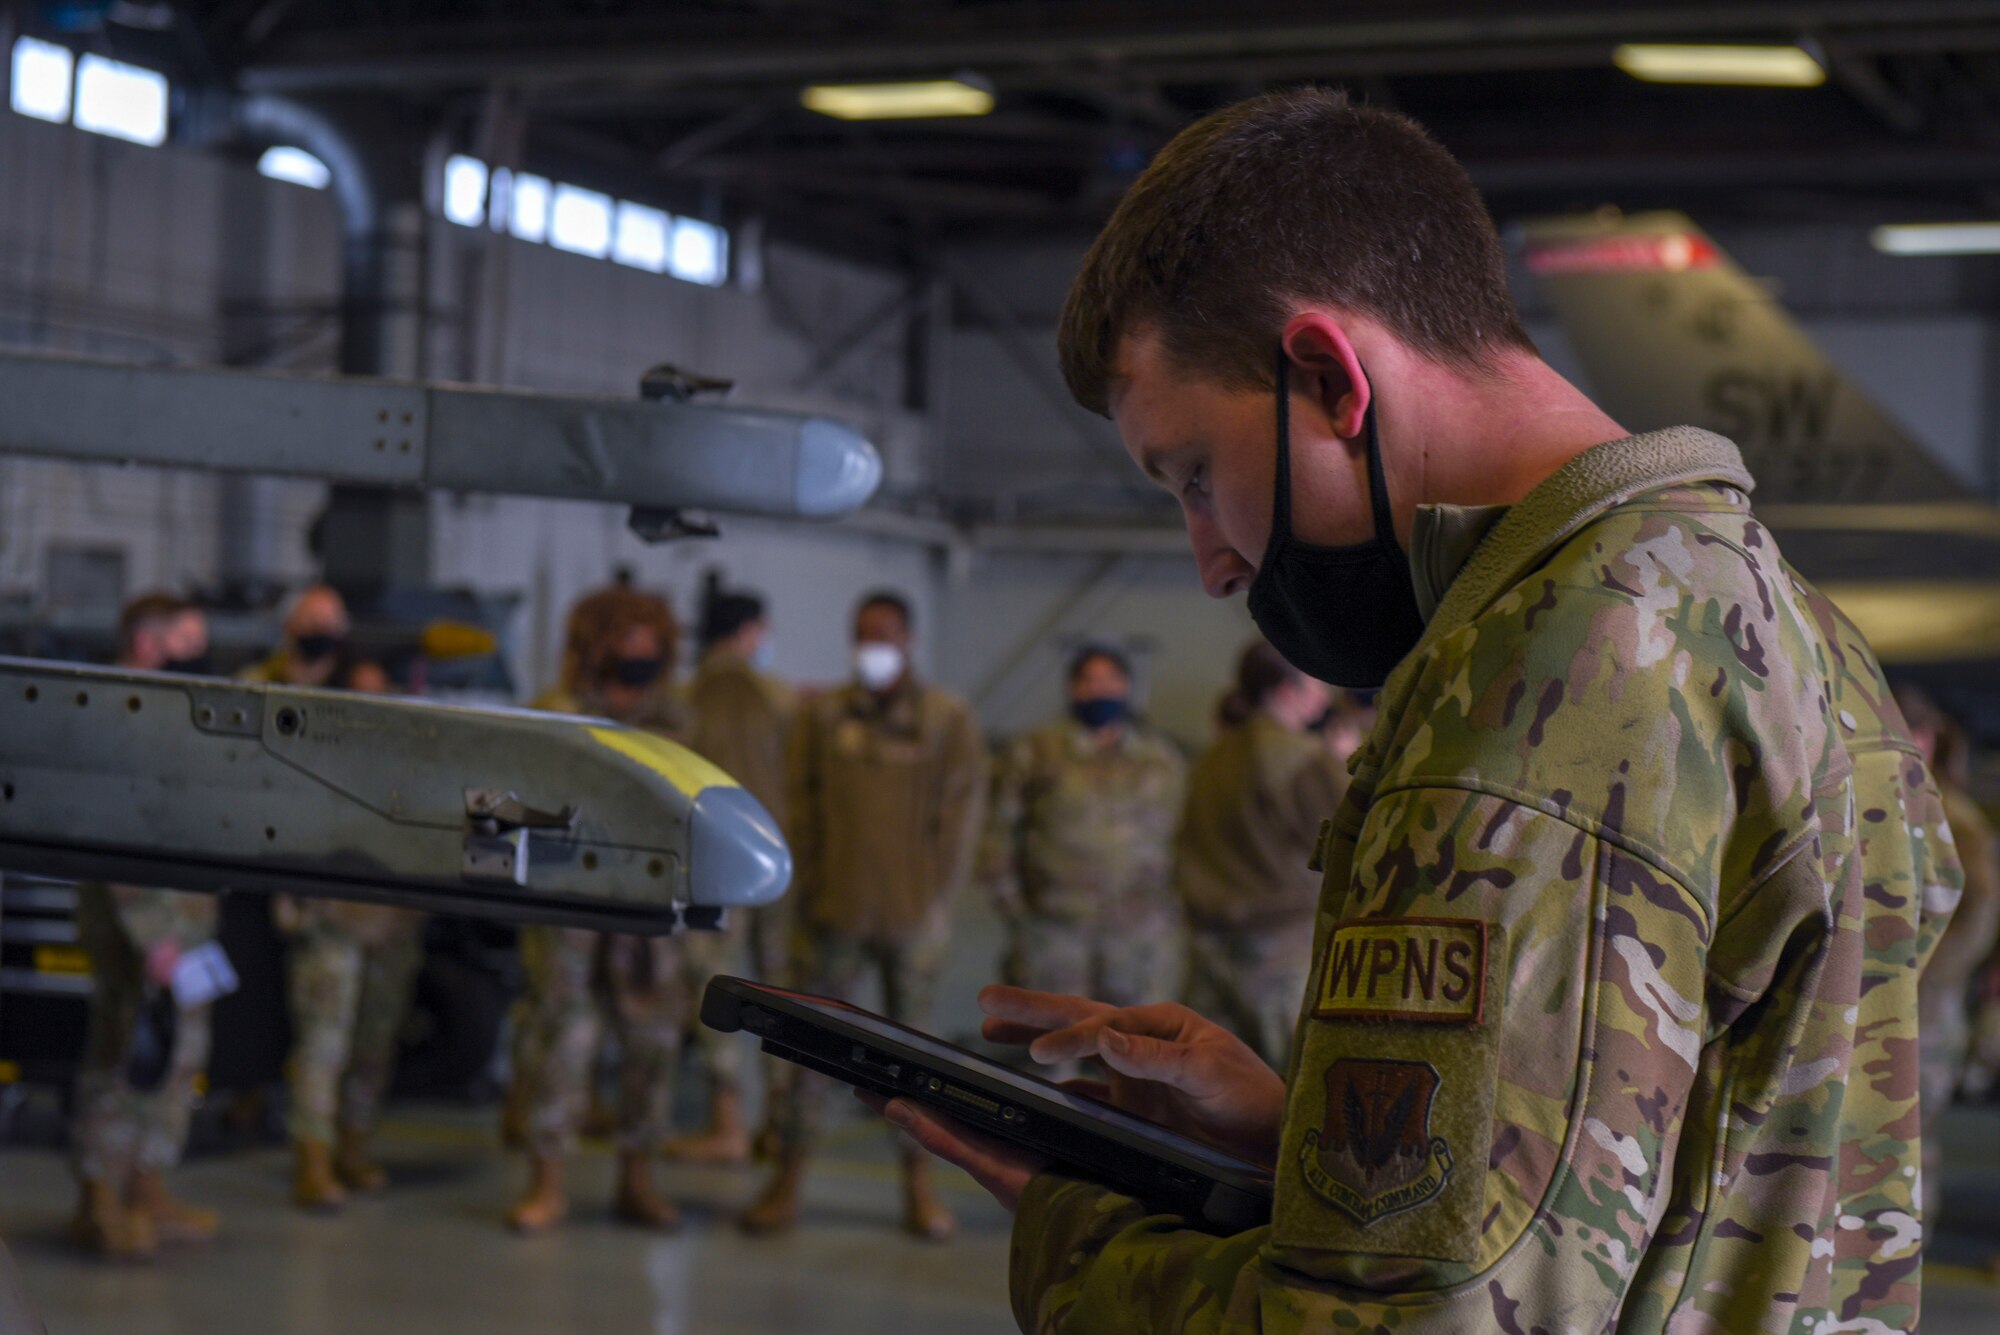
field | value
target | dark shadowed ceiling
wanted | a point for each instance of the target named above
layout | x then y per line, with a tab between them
698	99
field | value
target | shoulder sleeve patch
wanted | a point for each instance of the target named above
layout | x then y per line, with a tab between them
1422	970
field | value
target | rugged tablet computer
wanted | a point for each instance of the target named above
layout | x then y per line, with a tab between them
1092	1139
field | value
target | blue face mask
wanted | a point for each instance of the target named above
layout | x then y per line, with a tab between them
1101	712
764	655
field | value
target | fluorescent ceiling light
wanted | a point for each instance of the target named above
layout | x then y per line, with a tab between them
898	101
41	80
1759	66
1966	238
285	163
123	101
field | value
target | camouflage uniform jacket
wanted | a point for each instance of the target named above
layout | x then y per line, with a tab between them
1254	806
1613	1020
1080	832
742	723
884	798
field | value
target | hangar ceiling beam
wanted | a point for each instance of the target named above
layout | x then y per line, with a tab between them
1024	37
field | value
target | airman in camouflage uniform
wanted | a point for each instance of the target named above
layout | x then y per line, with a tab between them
1944	994
1613	1019
620	648
887	781
1254	804
742	722
125	1139
1078	852
351	969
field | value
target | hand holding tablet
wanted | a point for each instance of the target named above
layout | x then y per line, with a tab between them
1002	1125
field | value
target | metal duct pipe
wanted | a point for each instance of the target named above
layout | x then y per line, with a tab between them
370	538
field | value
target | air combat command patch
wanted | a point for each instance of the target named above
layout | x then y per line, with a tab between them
1375	1156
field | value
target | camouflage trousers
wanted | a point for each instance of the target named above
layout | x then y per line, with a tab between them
1127	961
707	954
1252	983
834	966
119	1129
581	984
349	1000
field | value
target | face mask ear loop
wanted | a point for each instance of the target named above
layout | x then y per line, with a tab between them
1378	485
1281	505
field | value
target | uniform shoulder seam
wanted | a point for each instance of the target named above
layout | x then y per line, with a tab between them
1540	804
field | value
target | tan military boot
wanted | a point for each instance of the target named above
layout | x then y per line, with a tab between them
105	1227
173	1221
924	1215
638	1201
352	1164
778	1209
547	1201
315	1186
727	1140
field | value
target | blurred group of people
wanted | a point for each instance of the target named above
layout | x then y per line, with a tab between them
1120	870
351	968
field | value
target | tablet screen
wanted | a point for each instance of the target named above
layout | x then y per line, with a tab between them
1031	1086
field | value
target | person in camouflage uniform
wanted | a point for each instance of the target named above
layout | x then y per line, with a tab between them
742	719
886	781
351	968
316	626
1078	851
618	657
124	1138
1613	1023
1254	804
1945	992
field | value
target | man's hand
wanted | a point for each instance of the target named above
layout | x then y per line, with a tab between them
1166	1064
160	961
1001	1168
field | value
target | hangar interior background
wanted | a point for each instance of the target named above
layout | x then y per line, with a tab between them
525	166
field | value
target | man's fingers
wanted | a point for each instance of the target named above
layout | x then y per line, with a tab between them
1166	1022
1144	1058
1037	1010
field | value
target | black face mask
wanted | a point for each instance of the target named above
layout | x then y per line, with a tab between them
317	648
1346	615
638	673
200	665
1101	712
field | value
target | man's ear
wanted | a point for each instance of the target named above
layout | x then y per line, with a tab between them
1325	365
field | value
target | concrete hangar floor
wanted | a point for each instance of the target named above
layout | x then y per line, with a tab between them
431	1257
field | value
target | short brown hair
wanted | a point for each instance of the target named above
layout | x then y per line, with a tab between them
1294	196
599	620
149	611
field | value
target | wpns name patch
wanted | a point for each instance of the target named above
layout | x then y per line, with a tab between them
1427	970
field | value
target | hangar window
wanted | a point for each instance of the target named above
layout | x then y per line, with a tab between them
581	222
285	163
121	100
40	84
521	203
700	252
641	239
465	190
